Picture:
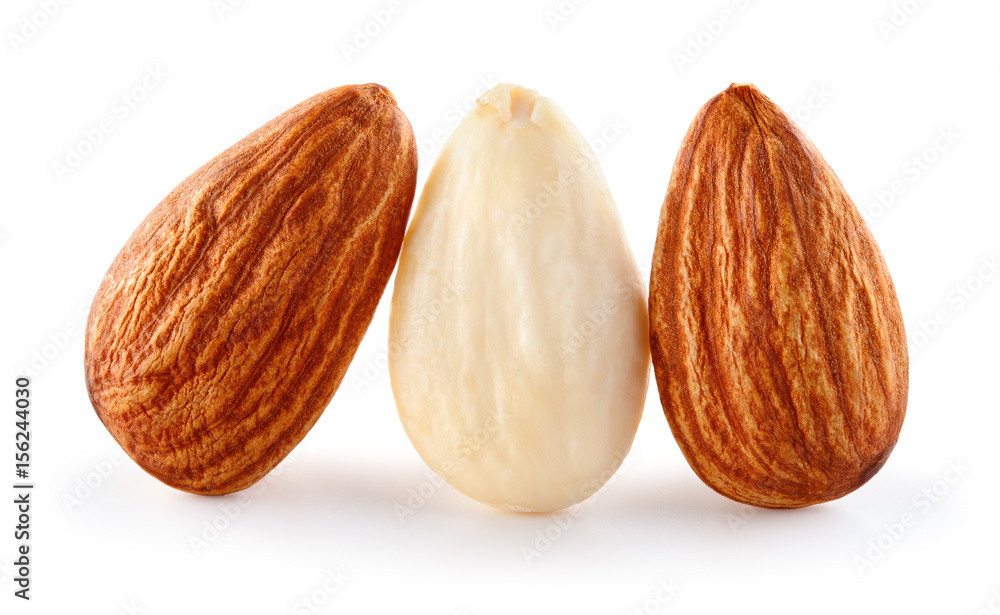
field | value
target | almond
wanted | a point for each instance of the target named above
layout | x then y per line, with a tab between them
776	335
519	353
226	323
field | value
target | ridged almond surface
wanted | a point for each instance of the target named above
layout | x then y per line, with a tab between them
226	323
776	335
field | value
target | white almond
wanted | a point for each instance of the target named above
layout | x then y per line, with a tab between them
519	351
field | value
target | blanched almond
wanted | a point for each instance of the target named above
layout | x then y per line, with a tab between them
518	334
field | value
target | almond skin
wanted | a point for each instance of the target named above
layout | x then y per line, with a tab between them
226	323
776	336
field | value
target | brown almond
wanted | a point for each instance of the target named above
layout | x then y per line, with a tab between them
226	323
776	336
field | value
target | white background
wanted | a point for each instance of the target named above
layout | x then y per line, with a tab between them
871	97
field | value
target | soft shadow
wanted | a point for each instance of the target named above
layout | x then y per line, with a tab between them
336	505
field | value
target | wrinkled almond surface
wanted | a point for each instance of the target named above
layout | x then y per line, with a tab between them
226	323
776	335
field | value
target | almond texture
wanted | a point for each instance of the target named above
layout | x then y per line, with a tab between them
226	323
776	336
518	342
